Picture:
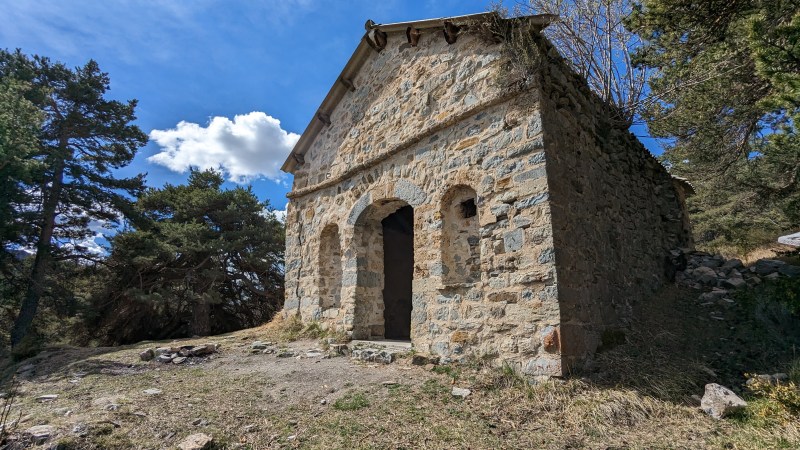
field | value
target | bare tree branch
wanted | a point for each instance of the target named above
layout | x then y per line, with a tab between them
592	37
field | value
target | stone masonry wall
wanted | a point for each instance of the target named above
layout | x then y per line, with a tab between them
616	214
427	126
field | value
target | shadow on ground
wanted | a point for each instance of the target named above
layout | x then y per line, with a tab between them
675	346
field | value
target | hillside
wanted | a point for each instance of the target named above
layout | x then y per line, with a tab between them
643	393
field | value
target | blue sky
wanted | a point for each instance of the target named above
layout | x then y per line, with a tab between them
205	62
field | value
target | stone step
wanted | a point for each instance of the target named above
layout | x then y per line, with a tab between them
382	351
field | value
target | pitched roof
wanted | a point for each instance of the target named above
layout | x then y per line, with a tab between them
365	46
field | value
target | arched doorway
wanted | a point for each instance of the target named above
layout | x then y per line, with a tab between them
398	272
384	239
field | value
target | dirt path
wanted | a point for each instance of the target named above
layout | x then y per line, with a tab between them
299	380
108	398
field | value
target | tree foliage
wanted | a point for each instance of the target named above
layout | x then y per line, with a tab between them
593	38
200	260
83	137
19	125
727	74
192	259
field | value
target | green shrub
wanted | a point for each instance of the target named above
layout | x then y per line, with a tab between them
772	402
783	291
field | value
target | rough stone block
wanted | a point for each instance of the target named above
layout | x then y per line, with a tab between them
514	240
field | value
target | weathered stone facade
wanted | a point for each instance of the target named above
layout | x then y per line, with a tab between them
531	223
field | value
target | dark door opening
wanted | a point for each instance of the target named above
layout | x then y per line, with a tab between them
398	270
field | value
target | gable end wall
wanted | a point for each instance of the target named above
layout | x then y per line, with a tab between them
575	218
426	126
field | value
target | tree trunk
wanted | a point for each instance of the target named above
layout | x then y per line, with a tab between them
201	323
41	263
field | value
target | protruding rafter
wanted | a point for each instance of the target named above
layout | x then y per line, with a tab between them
413	35
324	117
451	31
348	83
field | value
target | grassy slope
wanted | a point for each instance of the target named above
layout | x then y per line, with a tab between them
638	395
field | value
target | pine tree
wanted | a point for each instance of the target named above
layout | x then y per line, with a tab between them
19	125
727	80
204	260
83	138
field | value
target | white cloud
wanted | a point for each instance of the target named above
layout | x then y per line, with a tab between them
89	244
280	214
97	243
251	146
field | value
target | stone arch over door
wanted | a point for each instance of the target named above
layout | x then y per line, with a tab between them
382	296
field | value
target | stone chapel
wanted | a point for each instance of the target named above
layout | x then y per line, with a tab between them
441	199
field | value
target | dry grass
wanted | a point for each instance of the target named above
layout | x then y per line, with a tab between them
419	412
289	329
571	414
768	251
639	395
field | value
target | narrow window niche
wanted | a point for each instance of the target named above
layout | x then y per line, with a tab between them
330	268
460	236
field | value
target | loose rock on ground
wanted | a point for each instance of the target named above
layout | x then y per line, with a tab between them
719	401
178	355
198	441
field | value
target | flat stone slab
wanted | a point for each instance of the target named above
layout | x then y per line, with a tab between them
377	355
383	343
199	441
460	392
40	433
790	239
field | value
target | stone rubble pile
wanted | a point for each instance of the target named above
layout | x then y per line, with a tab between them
178	355
374	354
377	355
718	277
775	378
272	348
265	348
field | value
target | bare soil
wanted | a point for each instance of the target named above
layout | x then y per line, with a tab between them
225	393
643	393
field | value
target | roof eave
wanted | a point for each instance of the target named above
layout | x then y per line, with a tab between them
335	94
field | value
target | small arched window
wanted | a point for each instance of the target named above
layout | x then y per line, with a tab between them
330	268
460	237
